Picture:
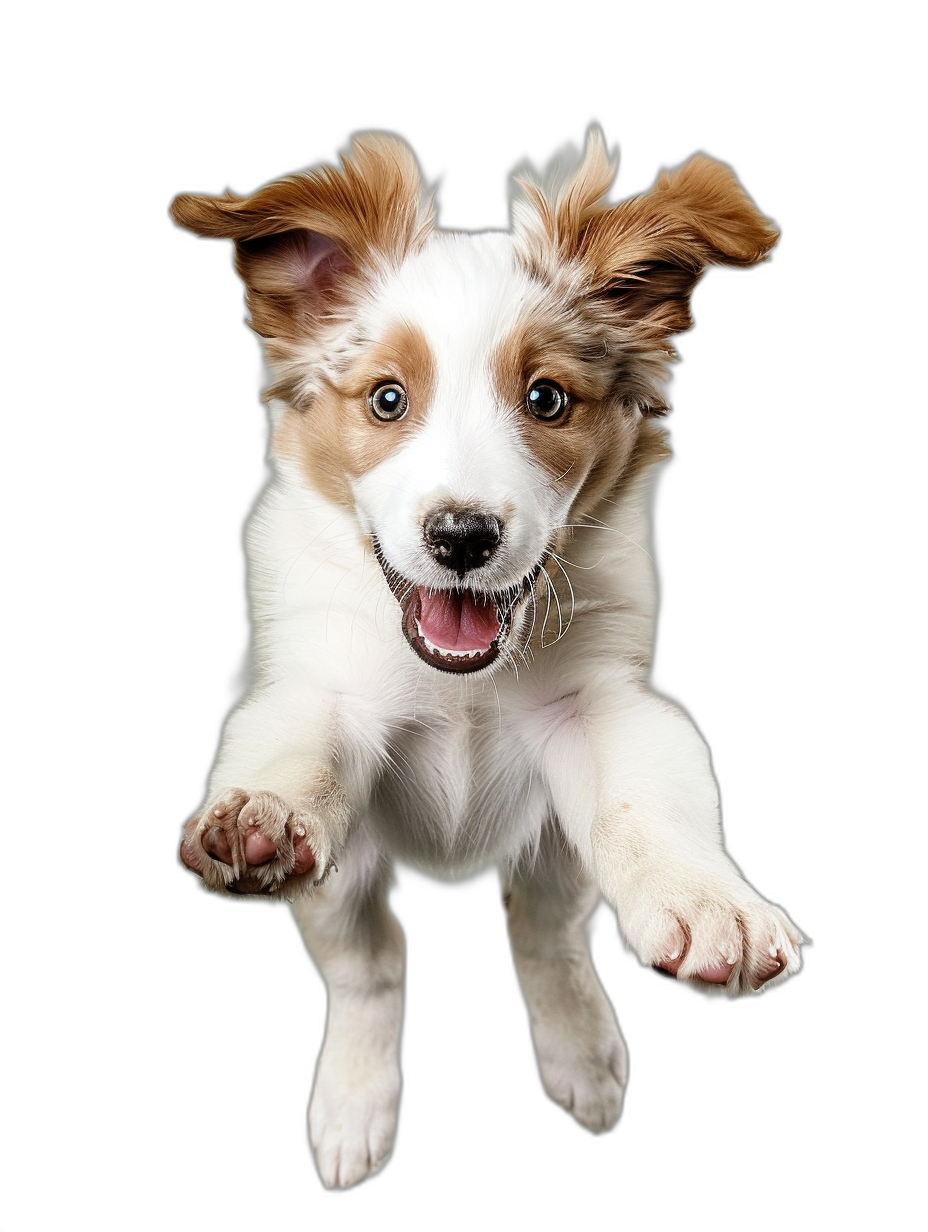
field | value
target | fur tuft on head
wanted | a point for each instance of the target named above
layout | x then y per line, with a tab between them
555	209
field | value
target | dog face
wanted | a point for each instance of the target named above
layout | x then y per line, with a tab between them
470	397
473	488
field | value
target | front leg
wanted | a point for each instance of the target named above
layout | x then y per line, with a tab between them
654	841
275	814
688	911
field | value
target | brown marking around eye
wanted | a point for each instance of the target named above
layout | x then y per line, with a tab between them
337	438
594	438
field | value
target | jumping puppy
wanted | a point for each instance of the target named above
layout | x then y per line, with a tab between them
453	609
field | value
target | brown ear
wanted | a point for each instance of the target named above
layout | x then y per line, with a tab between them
648	252
301	241
645	255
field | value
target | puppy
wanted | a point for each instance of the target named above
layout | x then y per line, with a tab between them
453	605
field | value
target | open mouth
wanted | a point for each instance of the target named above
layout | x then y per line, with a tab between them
456	630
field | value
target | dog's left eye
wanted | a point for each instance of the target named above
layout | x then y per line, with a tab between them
546	400
388	400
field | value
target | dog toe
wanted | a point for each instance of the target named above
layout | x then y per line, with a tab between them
249	844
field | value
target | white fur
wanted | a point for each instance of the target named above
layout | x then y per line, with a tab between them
454	771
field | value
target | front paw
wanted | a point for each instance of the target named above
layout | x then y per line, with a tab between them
710	930
254	843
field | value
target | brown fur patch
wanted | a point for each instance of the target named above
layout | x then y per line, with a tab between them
620	279
337	438
594	440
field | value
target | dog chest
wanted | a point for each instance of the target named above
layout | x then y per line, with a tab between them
459	792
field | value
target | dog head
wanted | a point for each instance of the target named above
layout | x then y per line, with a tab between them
470	396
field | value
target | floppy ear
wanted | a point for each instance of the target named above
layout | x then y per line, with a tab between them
303	241
645	255
648	252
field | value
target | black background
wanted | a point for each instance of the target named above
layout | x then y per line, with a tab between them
727	1102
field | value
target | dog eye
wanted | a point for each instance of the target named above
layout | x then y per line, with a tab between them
388	400
546	400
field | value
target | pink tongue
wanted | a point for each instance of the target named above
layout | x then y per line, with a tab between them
457	620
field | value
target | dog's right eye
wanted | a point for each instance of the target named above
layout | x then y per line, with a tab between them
546	400
388	400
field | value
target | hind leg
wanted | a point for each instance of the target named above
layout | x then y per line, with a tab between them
357	944
581	1053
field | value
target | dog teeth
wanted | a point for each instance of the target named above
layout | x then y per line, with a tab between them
450	654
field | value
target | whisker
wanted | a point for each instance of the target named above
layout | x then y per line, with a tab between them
573	599
544	623
551	594
531	632
632	541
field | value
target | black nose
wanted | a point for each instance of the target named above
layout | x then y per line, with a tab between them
462	540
